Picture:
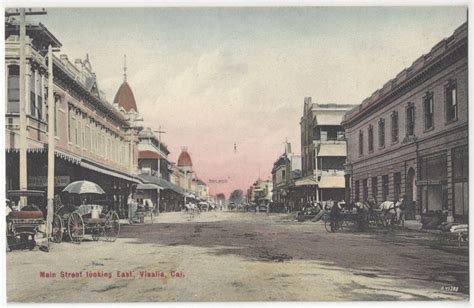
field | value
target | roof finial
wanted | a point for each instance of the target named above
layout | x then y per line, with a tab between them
124	68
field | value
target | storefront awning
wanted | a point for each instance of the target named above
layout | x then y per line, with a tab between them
104	170
329	118
306	182
332	182
332	150
12	144
148	186
67	156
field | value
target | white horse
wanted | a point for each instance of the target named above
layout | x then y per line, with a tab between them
191	207
392	211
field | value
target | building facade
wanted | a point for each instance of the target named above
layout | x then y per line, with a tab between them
260	192
94	139
323	152
411	136
285	171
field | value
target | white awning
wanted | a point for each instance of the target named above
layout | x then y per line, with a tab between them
332	182
329	118
109	172
306	182
148	186
332	150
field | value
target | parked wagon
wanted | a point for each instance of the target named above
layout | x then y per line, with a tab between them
85	219
25	224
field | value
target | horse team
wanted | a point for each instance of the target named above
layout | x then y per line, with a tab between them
390	212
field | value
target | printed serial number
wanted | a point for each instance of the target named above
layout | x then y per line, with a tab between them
450	288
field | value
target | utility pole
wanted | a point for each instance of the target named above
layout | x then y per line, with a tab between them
51	143
23	121
159	131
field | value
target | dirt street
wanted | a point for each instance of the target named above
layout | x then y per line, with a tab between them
241	257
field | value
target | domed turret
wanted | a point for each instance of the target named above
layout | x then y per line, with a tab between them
124	97
184	159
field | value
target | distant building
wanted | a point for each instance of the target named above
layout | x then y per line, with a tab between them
411	136
260	191
285	171
323	152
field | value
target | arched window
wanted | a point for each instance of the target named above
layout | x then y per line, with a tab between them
13	105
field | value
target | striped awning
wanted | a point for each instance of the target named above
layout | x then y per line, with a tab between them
326	150
308	181
332	182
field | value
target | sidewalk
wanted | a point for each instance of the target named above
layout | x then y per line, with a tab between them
414	225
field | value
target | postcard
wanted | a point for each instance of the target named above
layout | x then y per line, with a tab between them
214	154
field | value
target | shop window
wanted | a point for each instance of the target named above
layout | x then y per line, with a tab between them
410	119
13	105
365	190
451	101
397	183
384	187
394	127
381	133
460	163
356	191
461	199
433	167
370	137
374	188
361	143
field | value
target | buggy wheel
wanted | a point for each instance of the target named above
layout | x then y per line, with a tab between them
325	217
75	227
112	226
96	234
57	229
327	225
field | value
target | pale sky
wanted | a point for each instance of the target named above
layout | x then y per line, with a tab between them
212	77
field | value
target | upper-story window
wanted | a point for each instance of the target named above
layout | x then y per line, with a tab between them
283	175
381	133
36	95
451	101
13	105
428	108
394	126
370	137
410	119
72	125
57	102
361	143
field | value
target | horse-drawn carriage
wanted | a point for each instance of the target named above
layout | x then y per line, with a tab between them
78	220
24	224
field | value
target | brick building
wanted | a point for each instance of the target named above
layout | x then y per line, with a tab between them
94	139
411	136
